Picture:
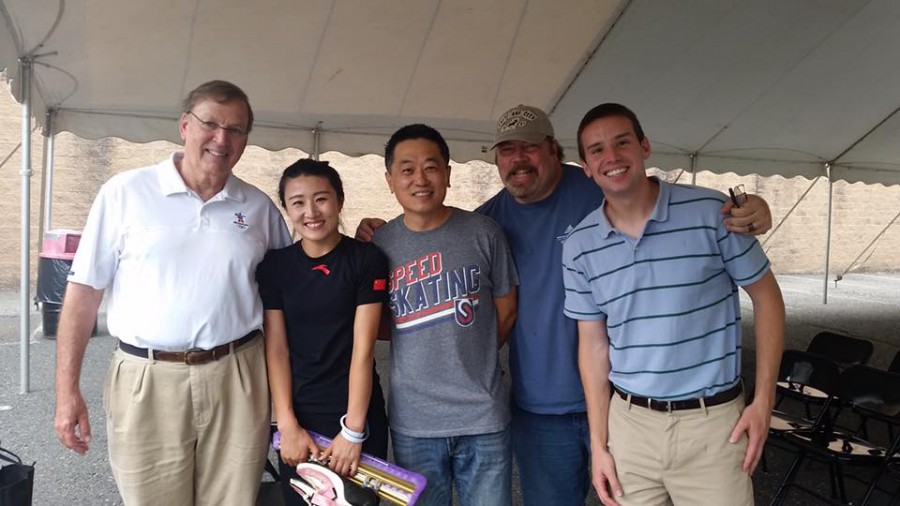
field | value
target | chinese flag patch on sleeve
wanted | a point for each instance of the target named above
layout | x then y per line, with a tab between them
379	285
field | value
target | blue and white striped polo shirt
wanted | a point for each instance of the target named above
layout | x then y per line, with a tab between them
669	297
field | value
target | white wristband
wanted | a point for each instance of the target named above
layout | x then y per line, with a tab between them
351	435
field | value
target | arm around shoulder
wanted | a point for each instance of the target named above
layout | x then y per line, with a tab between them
367	226
753	217
506	307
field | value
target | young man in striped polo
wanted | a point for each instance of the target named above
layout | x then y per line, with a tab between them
651	279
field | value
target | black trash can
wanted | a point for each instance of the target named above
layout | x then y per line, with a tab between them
57	252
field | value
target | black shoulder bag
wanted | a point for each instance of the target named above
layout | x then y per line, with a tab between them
16	480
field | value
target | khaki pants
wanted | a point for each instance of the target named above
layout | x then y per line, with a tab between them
681	458
188	434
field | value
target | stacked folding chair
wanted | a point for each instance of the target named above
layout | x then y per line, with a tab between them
869	395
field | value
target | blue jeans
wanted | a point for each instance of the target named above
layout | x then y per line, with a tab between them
480	466
553	453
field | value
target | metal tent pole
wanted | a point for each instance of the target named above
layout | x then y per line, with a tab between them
828	232
693	168
25	272
317	135
47	173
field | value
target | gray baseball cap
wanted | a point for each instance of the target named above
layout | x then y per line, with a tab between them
523	123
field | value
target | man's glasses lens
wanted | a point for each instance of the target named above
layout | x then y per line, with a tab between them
212	126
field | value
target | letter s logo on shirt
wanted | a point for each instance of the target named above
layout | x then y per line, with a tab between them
465	312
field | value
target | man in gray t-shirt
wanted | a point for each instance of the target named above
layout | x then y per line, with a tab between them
453	303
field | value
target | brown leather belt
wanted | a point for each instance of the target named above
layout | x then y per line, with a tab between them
656	405
189	357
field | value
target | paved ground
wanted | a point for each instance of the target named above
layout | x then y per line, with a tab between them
861	305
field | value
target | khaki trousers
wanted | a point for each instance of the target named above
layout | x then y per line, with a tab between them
681	457
188	434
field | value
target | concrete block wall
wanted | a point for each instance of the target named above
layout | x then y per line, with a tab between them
859	213
798	246
10	189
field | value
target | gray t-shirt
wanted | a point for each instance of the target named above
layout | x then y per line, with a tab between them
445	373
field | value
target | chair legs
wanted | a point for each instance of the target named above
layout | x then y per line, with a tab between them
895	499
837	476
272	470
786	482
836	480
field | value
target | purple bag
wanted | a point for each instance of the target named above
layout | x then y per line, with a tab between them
392	483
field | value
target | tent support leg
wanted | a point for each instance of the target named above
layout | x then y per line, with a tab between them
27	68
694	168
10	155
317	136
47	174
864	250
788	214
828	232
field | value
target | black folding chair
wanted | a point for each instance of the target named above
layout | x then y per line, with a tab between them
877	397
895	364
804	378
872	394
844	350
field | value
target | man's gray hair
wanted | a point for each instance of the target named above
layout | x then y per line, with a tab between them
220	91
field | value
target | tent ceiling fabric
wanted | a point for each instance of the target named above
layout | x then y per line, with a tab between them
763	86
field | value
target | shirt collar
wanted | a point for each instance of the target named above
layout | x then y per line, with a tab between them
171	183
660	211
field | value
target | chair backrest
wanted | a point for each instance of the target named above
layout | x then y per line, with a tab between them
803	368
844	350
874	394
895	364
874	391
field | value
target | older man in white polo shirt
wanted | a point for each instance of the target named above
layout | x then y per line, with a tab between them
176	245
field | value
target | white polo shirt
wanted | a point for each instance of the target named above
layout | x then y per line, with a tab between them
181	272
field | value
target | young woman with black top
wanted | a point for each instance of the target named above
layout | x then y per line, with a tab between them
323	299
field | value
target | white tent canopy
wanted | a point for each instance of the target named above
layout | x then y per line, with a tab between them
762	86
791	87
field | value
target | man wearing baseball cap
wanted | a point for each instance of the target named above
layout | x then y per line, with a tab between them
541	200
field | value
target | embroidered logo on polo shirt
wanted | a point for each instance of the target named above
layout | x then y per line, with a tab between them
240	221
323	268
565	235
379	285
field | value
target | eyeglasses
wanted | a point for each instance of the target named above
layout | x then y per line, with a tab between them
212	126
738	196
